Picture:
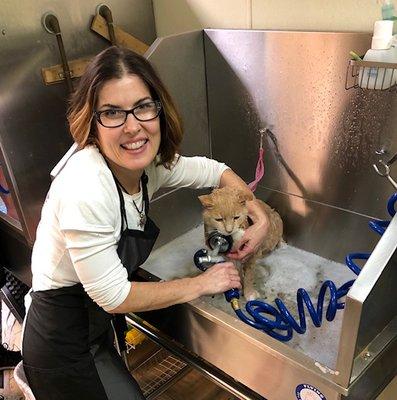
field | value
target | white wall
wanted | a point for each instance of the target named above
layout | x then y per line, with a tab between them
175	16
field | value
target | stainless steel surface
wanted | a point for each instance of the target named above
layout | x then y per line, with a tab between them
380	342
33	130
319	176
183	210
334	229
294	83
374	376
370	303
179	59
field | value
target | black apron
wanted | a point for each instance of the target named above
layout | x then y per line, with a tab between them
68	341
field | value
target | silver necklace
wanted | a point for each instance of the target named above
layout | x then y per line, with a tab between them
142	215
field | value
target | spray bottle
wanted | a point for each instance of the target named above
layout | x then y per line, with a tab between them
387	9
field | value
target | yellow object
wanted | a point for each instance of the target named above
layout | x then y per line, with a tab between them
355	56
235	304
134	337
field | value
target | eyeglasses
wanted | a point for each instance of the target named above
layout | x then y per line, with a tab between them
113	118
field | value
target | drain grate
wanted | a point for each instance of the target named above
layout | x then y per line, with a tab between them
156	373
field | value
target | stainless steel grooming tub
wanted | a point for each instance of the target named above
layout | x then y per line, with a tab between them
319	176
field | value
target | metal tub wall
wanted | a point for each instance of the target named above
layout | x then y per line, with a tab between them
318	162
34	133
318	175
33	128
179	60
325	138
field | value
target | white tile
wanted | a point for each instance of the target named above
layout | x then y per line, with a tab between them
175	16
321	15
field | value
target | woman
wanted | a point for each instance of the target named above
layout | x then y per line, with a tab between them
95	231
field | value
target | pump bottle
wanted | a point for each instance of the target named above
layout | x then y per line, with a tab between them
381	50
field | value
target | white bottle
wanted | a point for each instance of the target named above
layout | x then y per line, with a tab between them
381	51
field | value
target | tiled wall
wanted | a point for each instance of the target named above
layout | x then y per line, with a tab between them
174	16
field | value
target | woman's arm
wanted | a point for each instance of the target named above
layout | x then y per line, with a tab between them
146	296
256	233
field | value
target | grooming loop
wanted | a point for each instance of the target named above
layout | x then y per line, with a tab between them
260	167
282	324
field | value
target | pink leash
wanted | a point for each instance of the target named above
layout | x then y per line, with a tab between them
260	167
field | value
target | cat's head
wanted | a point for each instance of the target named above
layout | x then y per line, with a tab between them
225	209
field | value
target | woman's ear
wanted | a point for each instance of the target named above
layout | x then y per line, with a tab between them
244	196
206	201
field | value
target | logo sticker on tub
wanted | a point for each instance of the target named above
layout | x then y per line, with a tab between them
308	392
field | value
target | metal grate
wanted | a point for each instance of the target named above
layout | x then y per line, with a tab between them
158	372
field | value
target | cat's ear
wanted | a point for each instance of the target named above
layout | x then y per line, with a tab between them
206	201
244	196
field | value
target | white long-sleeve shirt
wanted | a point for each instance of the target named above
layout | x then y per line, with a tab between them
80	224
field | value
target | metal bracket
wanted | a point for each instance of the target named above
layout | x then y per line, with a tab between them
55	74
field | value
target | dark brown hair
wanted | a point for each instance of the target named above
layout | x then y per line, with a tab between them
115	62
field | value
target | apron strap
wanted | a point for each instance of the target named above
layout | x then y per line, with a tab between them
145	180
122	205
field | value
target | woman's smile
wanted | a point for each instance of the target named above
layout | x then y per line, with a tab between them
132	146
135	146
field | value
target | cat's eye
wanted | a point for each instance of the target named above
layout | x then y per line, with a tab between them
236	217
218	219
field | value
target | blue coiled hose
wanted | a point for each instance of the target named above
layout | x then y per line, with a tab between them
283	320
4	190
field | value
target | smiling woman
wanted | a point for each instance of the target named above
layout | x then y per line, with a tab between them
95	231
131	146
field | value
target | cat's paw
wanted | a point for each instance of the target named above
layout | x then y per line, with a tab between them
251	295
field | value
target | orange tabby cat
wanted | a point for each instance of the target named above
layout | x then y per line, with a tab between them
225	211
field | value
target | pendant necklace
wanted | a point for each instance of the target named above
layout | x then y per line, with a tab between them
142	215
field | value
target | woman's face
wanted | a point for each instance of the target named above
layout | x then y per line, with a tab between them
134	144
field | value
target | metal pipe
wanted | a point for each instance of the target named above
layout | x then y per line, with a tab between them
208	370
104	11
51	25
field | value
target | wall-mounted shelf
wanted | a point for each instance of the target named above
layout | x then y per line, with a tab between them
371	75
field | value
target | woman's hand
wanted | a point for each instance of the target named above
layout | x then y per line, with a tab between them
220	278
254	235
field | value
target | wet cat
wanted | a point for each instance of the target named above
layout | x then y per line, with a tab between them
225	211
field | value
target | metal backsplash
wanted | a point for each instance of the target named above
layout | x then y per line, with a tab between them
179	60
293	82
33	129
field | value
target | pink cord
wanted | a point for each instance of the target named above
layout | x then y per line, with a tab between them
259	172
